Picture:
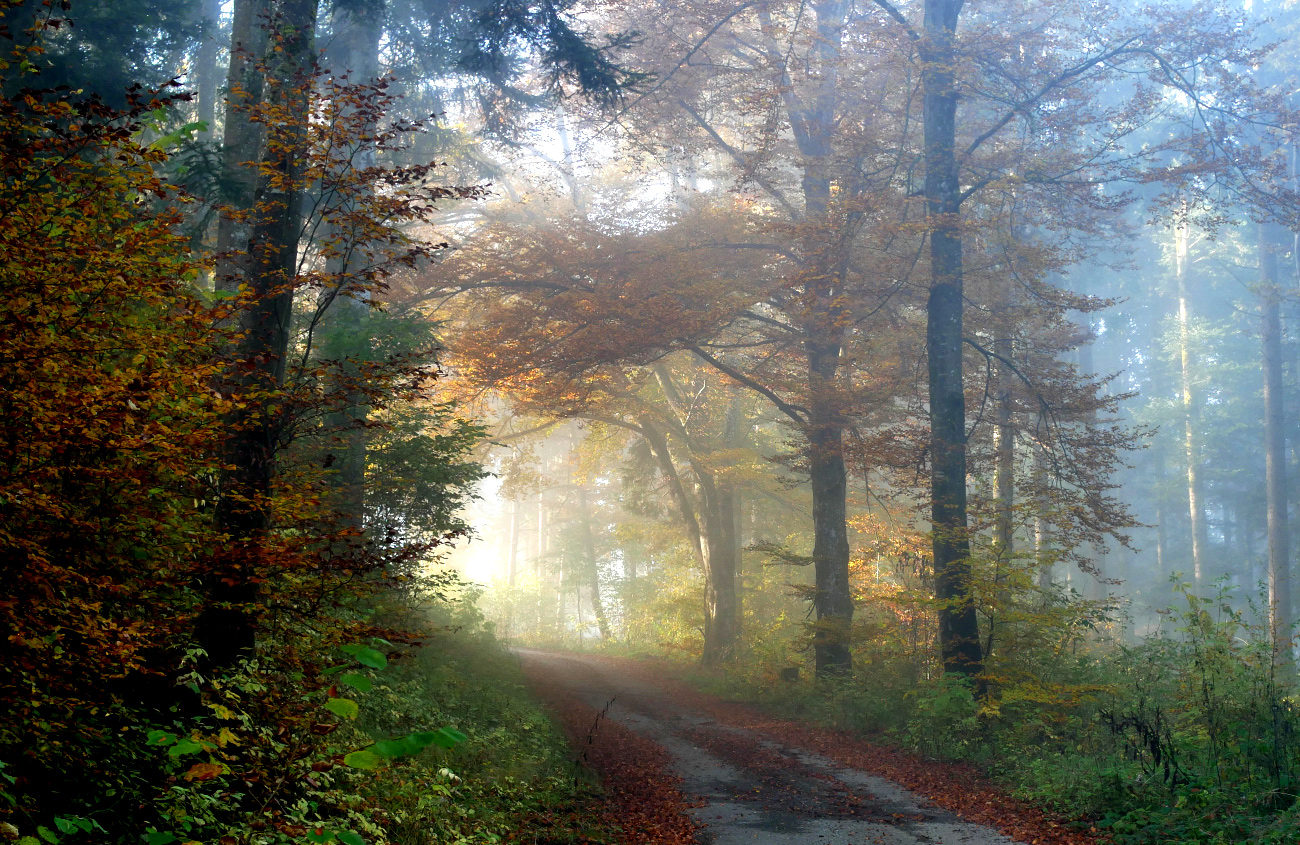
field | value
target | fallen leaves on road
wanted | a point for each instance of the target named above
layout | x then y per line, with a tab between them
645	804
960	789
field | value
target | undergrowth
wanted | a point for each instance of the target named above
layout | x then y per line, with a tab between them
369	742
513	780
1191	735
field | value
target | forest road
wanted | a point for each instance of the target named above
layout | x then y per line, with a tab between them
749	789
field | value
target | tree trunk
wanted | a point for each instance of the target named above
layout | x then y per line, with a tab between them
713	553
1004	483
659	448
1191	444
241	142
814	127
205	63
1004	437
1042	540
1279	540
514	540
593	568
720	608
227	625
353	52
1096	555
958	626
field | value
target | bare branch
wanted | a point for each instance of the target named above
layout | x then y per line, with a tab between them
893	12
794	412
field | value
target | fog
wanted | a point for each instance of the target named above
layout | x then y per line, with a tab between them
677	264
450	421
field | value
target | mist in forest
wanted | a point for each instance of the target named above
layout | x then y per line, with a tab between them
1122	319
927	368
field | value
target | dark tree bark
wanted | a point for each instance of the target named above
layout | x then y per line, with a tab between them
227	625
958	627
833	599
721	618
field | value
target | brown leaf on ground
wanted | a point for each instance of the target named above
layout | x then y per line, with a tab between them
956	787
644	801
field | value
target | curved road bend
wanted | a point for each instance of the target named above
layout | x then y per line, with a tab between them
751	790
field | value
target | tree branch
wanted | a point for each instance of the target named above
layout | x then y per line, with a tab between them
893	11
740	159
794	412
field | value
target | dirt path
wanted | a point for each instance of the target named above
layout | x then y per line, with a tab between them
740	786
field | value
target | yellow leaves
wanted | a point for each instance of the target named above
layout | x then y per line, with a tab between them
205	771
221	711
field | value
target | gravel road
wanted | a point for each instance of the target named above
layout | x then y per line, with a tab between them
749	789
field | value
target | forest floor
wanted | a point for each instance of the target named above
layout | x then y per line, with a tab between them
680	766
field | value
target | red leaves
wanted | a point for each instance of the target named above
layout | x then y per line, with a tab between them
645	803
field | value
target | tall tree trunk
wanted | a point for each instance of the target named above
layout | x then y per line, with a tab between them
1004	482
814	127
514	540
1096	555
730	505
658	442
720	609
958	626
1004	437
353	52
1042	539
241	142
1279	539
709	545
717	550
205	63
227	625
1191	444
593	567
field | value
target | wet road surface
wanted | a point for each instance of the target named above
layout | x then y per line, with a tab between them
751	790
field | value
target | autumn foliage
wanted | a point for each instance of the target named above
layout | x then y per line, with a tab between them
109	424
120	393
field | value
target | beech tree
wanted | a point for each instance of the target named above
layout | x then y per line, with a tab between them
1052	81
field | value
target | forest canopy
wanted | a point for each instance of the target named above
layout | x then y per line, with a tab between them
914	367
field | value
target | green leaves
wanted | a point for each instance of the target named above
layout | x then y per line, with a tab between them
176	746
363	759
72	824
405	746
366	656
360	683
445	737
390	748
321	836
160	738
183	747
344	707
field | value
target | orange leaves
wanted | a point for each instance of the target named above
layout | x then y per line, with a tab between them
204	771
106	420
